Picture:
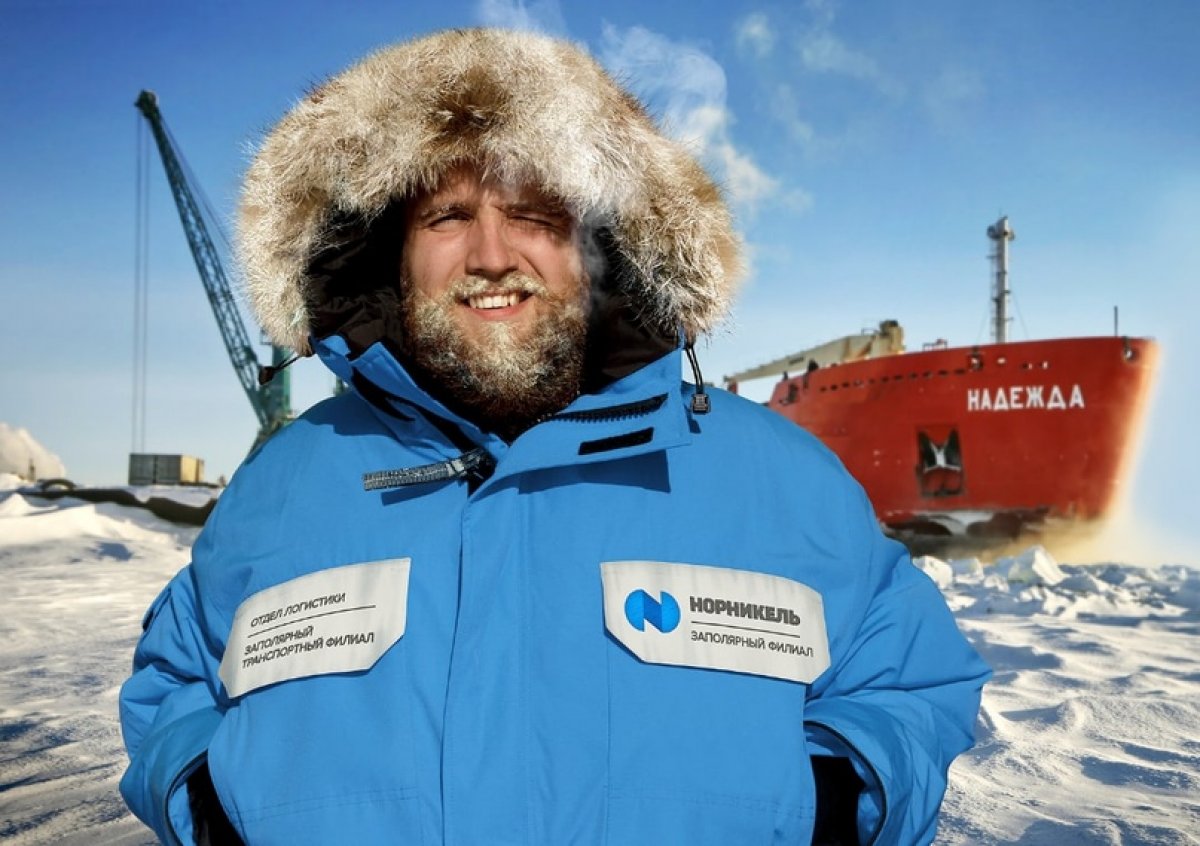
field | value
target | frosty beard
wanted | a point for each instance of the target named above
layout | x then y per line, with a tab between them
511	378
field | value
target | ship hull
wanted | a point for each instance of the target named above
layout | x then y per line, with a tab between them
982	439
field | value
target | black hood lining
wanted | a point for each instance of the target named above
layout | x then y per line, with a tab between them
353	283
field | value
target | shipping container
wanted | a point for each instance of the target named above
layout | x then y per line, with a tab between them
154	469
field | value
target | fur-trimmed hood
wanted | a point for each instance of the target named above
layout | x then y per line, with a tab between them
526	107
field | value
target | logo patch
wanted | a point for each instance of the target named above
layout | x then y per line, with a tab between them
718	618
642	608
339	620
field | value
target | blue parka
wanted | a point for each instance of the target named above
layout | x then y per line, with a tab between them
507	713
504	701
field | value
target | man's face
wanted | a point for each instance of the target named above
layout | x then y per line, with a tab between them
493	233
495	298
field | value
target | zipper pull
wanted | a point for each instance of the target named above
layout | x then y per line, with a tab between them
477	464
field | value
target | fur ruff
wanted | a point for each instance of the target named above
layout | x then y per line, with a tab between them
524	106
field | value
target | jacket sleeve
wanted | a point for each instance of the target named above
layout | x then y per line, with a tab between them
901	695
169	711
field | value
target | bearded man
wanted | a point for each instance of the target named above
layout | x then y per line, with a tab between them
495	299
522	584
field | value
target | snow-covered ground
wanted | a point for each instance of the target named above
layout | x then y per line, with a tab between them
77	578
1090	729
1089	734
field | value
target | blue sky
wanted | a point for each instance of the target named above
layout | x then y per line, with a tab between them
866	146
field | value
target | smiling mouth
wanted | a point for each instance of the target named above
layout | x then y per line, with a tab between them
493	300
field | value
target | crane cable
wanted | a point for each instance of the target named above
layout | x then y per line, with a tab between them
141	283
141	273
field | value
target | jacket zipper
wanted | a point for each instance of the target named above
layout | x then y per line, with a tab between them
615	412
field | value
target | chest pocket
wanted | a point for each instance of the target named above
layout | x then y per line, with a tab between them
700	753
318	743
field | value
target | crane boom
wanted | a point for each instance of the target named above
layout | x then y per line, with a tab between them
271	402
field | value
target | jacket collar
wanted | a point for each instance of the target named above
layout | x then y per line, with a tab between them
640	413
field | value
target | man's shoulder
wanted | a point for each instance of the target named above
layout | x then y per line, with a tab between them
753	445
344	415
293	492
336	434
331	424
734	419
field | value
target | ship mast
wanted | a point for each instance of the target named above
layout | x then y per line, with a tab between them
1001	233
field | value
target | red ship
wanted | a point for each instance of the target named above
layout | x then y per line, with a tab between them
979	441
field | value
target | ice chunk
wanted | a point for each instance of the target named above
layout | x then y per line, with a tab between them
936	569
1034	566
966	566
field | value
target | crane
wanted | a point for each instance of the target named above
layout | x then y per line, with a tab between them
269	397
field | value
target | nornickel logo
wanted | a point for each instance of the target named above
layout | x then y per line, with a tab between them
642	608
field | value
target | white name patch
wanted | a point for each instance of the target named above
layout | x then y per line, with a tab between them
333	621
691	615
